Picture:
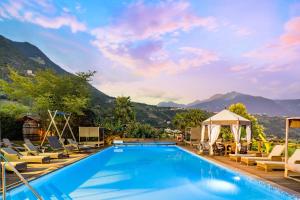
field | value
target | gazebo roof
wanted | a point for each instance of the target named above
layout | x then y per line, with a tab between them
226	117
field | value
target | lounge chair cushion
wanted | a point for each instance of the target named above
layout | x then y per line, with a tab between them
294	167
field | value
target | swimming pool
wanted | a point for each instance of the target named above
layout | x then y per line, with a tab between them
153	172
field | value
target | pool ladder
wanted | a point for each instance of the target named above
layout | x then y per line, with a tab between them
3	177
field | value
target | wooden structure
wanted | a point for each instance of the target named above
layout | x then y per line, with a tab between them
293	122
31	127
192	136
91	136
66	118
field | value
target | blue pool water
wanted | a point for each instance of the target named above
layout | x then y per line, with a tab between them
147	173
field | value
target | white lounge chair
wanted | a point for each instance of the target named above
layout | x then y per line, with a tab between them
275	155
292	165
237	157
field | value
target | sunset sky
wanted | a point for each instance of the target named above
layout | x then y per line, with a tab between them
167	50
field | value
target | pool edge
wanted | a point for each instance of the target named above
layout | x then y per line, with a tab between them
244	173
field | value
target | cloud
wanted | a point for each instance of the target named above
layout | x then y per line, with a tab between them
243	32
31	12
156	94
283	53
292	33
240	68
140	45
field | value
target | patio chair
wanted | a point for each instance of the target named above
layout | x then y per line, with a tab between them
12	155
8	143
292	165
33	150
78	146
275	155
204	147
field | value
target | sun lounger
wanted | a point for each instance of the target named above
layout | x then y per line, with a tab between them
33	150
12	155
78	146
292	165
20	166
275	155
237	157
56	145
8	143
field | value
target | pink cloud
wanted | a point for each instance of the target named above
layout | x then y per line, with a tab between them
243	32
28	11
240	68
137	44
283	53
292	32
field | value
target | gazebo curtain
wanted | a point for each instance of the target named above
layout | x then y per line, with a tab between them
236	130
202	133
214	131
248	134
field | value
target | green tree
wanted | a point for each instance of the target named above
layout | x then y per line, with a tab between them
48	90
139	130
189	118
241	110
123	111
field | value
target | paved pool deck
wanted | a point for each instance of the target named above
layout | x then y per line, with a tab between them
275	178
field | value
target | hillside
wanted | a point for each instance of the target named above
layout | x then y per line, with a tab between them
23	56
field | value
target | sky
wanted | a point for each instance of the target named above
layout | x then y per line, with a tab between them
169	50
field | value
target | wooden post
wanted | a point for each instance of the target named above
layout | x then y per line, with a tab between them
237	142
287	125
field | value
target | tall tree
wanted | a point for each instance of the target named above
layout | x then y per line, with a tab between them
124	111
241	109
48	90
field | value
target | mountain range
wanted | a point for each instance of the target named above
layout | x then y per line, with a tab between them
255	104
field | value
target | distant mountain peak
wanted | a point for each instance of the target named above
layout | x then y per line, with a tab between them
254	104
170	104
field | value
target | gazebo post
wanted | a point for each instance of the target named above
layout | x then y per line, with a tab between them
211	152
287	125
238	131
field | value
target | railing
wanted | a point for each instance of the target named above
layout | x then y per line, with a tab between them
6	162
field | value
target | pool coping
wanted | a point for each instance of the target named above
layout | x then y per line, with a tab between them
242	172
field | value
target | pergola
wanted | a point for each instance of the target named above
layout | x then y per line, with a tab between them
293	122
225	118
53	122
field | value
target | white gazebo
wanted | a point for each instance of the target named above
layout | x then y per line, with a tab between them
293	122
225	118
